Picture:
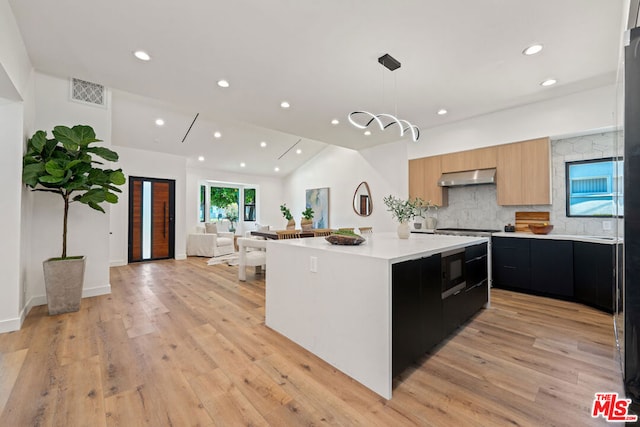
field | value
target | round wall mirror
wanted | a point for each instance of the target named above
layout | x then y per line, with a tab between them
362	204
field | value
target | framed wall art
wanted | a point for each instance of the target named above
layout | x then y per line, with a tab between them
318	200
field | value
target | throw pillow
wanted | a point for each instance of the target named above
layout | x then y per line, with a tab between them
211	228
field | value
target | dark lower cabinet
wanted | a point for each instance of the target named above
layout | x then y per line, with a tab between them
459	307
416	310
552	267
420	317
594	274
511	263
579	271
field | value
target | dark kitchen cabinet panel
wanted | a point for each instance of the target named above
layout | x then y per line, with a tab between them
511	263
552	267
594	274
458	308
416	310
475	264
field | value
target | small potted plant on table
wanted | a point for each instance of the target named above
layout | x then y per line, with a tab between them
307	219
286	213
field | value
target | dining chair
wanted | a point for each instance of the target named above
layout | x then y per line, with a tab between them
365	230
322	232
288	234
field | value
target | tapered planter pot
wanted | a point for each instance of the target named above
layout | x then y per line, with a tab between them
63	279
291	224
306	224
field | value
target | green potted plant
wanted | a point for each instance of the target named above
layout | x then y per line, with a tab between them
402	211
66	165
231	212
286	213
307	219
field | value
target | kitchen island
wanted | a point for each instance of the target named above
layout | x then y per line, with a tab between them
336	301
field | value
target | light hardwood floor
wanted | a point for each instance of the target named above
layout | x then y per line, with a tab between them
180	343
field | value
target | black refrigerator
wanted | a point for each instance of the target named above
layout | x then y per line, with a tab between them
632	220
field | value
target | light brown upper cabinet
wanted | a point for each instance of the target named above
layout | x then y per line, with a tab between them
524	173
481	158
423	180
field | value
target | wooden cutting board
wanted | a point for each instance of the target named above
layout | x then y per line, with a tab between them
523	219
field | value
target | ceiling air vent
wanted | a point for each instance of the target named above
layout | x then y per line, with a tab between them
88	92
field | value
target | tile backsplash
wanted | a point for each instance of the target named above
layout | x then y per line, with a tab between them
477	207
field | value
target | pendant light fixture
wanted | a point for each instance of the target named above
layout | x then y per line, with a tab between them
363	119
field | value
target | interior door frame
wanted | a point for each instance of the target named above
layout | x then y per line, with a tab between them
172	215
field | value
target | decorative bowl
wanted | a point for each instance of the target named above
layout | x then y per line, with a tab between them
540	228
342	239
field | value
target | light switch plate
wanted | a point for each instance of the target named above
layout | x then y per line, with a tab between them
313	264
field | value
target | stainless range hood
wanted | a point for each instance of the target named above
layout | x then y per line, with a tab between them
474	177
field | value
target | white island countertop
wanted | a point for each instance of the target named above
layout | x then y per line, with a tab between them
387	246
336	301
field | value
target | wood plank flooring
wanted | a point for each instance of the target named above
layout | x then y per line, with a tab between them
181	343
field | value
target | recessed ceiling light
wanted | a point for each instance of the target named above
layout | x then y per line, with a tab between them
298	151
442	112
335	122
159	122
285	104
243	164
367	132
532	50
263	144
142	55
277	169
201	158
217	134
548	82
223	83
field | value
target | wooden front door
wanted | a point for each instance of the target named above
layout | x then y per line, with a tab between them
151	219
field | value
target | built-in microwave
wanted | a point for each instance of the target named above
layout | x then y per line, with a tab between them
453	272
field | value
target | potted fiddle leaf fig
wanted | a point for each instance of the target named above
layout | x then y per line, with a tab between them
68	165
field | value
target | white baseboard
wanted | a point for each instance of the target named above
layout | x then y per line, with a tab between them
42	300
10	325
181	257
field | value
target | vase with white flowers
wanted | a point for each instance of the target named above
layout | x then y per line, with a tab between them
402	211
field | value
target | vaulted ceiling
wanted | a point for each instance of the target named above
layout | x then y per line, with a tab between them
464	56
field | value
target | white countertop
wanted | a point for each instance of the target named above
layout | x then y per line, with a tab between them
590	239
388	246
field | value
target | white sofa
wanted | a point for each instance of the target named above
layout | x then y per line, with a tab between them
201	243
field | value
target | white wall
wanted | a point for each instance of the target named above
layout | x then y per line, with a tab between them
88	229
10	205
148	165
15	66
580	113
15	87
383	167
269	196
